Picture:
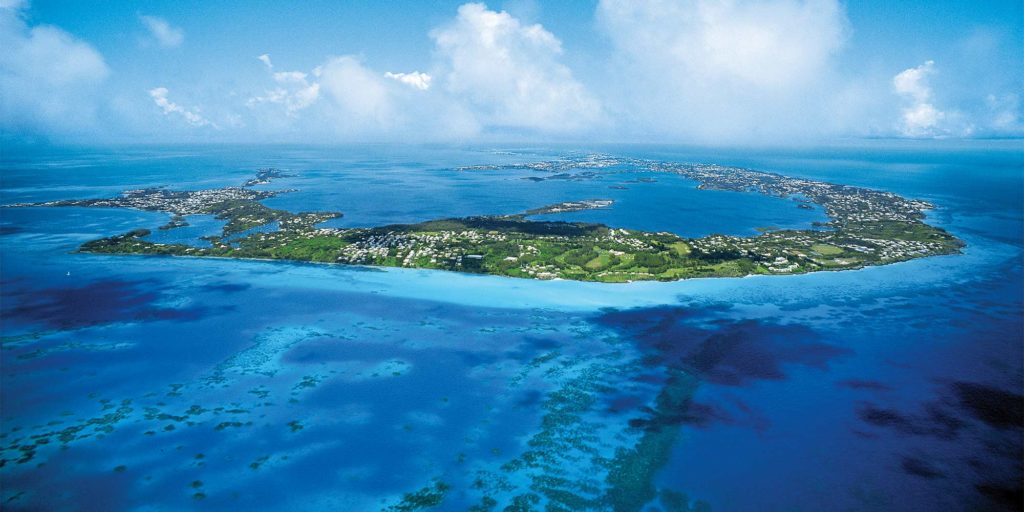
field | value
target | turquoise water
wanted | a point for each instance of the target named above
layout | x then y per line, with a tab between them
172	383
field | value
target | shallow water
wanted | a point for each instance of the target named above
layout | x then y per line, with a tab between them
140	382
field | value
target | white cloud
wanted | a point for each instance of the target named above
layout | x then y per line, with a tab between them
366	104
364	99
773	43
191	116
509	74
294	90
920	117
711	71
718	71
415	79
913	82
49	79
356	102
496	75
165	34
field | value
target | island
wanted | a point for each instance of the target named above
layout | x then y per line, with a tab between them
866	227
570	206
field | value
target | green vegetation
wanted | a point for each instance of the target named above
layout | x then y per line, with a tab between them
243	214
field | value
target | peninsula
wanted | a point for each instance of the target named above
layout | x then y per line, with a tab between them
865	227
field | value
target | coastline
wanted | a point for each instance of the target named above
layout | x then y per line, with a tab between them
866	227
387	268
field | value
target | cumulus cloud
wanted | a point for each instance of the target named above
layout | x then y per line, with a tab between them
415	79
510	74
920	117
704	69
295	91
49	79
913	82
164	33
191	116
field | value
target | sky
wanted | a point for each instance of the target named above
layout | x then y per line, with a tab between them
672	71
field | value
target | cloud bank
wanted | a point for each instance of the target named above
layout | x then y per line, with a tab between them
50	81
707	70
693	71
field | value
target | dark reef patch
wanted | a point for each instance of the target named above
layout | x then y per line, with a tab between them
1008	497
919	467
880	417
98	302
935	421
995	407
703	342
720	350
752	350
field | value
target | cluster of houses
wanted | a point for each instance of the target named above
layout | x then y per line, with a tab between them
158	199
443	246
889	250
623	237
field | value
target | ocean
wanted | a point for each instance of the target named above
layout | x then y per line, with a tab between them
158	383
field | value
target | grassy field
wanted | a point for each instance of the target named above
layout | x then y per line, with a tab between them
826	250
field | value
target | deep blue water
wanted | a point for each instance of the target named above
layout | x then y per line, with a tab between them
888	388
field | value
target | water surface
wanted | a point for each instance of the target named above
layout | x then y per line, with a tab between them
170	383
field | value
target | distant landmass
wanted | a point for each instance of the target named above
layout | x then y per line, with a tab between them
865	227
